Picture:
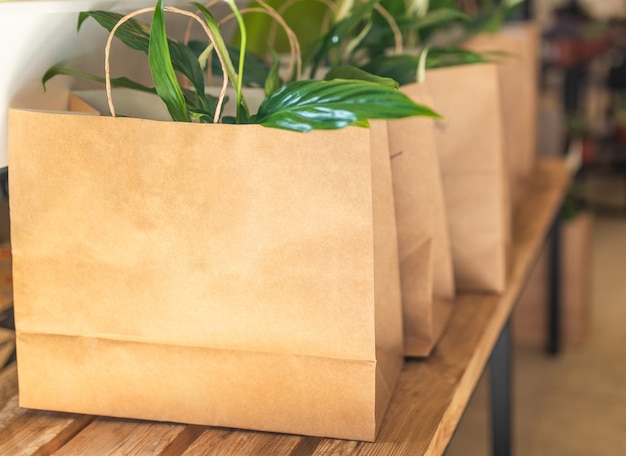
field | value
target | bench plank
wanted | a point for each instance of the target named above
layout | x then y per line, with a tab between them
107	436
26	432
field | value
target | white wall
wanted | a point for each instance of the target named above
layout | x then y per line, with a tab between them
35	34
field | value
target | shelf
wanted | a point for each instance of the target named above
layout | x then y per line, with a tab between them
428	401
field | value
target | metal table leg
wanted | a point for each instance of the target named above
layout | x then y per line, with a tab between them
501	394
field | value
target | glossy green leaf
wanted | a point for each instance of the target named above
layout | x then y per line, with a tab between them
325	105
133	33
136	35
352	72
222	49
162	70
126	83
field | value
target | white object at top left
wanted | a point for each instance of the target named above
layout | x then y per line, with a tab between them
36	34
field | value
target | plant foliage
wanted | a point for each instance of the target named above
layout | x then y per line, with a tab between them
322	105
350	96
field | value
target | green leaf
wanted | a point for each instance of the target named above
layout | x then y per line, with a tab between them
403	68
136	35
305	18
352	72
436	18
162	70
222	49
257	69
202	116
339	34
126	83
132	33
438	4
273	82
445	57
491	19
325	105
414	29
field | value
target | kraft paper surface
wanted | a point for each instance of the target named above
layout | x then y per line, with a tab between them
519	74
475	175
530	318
211	265
423	239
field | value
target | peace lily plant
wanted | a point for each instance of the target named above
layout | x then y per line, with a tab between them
387	37
298	105
439	29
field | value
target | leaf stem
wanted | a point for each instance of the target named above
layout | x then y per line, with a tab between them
242	55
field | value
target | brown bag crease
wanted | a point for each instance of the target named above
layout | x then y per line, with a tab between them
423	240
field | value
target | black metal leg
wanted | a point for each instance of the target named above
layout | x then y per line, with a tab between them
501	394
554	298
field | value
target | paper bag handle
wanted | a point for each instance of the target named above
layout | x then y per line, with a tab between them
271	35
393	25
332	7
172	9
294	44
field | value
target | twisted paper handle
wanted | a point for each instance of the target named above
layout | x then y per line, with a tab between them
332	7
294	44
393	25
171	9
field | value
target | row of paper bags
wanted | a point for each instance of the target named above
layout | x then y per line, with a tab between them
249	277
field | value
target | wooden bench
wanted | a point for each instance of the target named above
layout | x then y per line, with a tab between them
428	401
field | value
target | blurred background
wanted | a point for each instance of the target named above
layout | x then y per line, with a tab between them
574	403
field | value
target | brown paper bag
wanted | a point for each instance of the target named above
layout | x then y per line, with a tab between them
475	182
215	274
519	71
530	322
426	271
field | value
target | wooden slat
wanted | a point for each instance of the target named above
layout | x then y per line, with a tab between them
35	433
8	384
7	345
225	441
8	411
107	436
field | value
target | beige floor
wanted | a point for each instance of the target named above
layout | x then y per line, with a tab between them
574	404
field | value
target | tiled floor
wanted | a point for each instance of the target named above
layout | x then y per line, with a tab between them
575	404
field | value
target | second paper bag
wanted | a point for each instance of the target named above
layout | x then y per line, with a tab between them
518	70
426	271
225	275
470	144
